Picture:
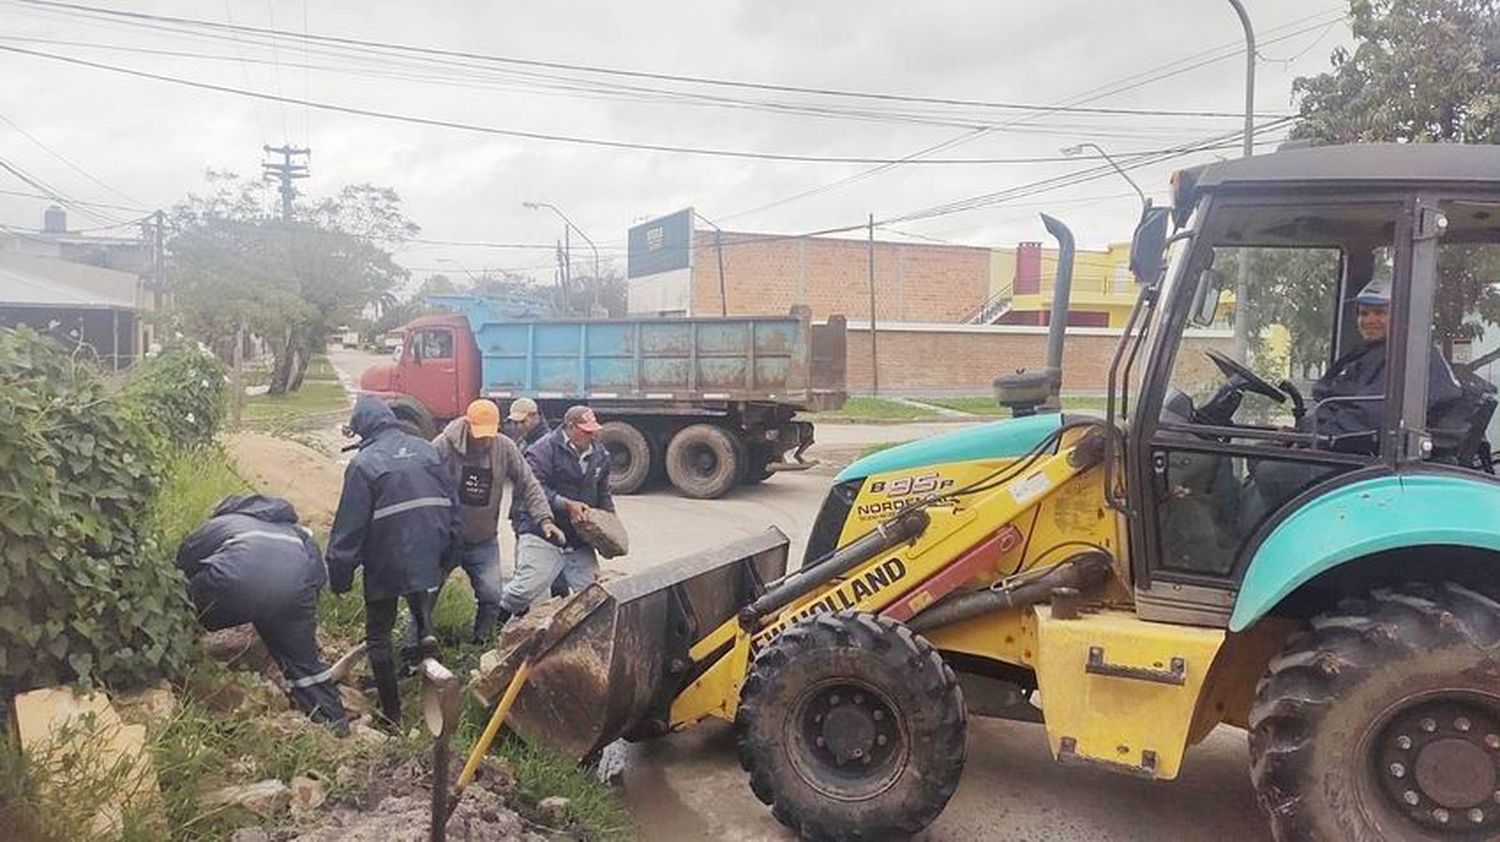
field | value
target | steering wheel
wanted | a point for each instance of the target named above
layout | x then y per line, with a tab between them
1249	380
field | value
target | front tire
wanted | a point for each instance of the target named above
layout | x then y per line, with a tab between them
1383	721
852	728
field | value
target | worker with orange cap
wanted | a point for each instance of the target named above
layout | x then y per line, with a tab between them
482	461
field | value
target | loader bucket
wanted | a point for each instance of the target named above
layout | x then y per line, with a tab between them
608	663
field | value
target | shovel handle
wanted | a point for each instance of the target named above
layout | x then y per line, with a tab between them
482	747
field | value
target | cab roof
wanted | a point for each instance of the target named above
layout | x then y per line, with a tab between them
1363	164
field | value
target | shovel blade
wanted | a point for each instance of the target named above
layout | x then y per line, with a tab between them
609	662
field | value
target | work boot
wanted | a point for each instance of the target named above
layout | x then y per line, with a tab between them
485	621
390	695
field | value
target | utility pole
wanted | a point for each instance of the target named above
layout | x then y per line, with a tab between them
718	247
874	356
1242	281
567	226
285	172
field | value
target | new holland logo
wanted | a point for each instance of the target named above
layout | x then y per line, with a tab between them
849	594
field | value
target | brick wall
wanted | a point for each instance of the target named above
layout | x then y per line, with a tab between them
933	359
764	274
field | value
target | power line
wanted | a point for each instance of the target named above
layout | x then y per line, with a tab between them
1086	96
53	193
535	135
24	194
609	71
71	165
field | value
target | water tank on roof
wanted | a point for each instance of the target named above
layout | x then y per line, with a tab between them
54	220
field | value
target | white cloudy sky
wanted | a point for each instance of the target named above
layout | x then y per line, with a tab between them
141	143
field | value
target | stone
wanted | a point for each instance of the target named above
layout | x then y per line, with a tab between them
238	647
361	731
356	703
94	727
250	834
151	705
554	810
309	791
264	798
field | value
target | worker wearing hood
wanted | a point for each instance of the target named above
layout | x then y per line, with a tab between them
252	563
399	519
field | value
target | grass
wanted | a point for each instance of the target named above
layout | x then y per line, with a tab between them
986	406
196	480
871	409
316	399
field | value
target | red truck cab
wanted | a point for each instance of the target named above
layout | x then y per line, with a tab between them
434	376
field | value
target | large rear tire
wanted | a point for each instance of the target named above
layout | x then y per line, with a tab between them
630	456
702	461
1383	721
852	728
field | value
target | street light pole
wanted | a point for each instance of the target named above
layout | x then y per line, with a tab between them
568	223
1242	281
1070	151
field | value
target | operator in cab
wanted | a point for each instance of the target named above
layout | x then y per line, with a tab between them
1361	373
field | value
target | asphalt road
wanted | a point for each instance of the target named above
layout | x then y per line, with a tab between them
689	786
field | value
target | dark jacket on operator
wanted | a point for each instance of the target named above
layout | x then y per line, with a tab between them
1361	373
563	475
398	515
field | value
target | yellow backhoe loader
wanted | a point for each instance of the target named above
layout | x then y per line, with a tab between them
1215	549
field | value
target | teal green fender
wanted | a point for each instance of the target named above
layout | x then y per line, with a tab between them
996	440
1383	513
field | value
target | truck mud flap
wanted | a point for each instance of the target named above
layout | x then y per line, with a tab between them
608	661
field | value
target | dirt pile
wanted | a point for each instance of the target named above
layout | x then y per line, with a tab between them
309	478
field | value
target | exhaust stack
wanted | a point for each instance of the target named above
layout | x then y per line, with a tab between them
1026	392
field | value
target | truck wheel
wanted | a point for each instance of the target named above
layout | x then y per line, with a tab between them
629	456
852	727
701	461
1383	721
415	418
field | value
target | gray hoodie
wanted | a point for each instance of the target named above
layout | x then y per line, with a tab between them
481	480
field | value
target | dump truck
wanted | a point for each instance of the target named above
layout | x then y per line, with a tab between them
708	403
1209	552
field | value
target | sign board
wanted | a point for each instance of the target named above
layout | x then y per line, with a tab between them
661	245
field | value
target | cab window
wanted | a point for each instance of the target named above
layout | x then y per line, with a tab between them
433	344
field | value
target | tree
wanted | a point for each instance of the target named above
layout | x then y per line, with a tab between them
1420	71
235	264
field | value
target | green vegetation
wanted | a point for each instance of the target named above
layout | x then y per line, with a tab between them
870	409
87	592
986	406
305	407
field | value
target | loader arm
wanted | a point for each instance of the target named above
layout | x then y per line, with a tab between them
974	539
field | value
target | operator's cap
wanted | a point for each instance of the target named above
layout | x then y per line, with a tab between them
1377	293
583	418
484	419
522	408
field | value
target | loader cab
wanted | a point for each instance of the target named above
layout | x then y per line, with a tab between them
1252	382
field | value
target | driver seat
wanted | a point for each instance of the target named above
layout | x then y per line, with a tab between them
1459	438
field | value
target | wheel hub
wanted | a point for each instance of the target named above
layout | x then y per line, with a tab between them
704	461
1439	763
852	730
